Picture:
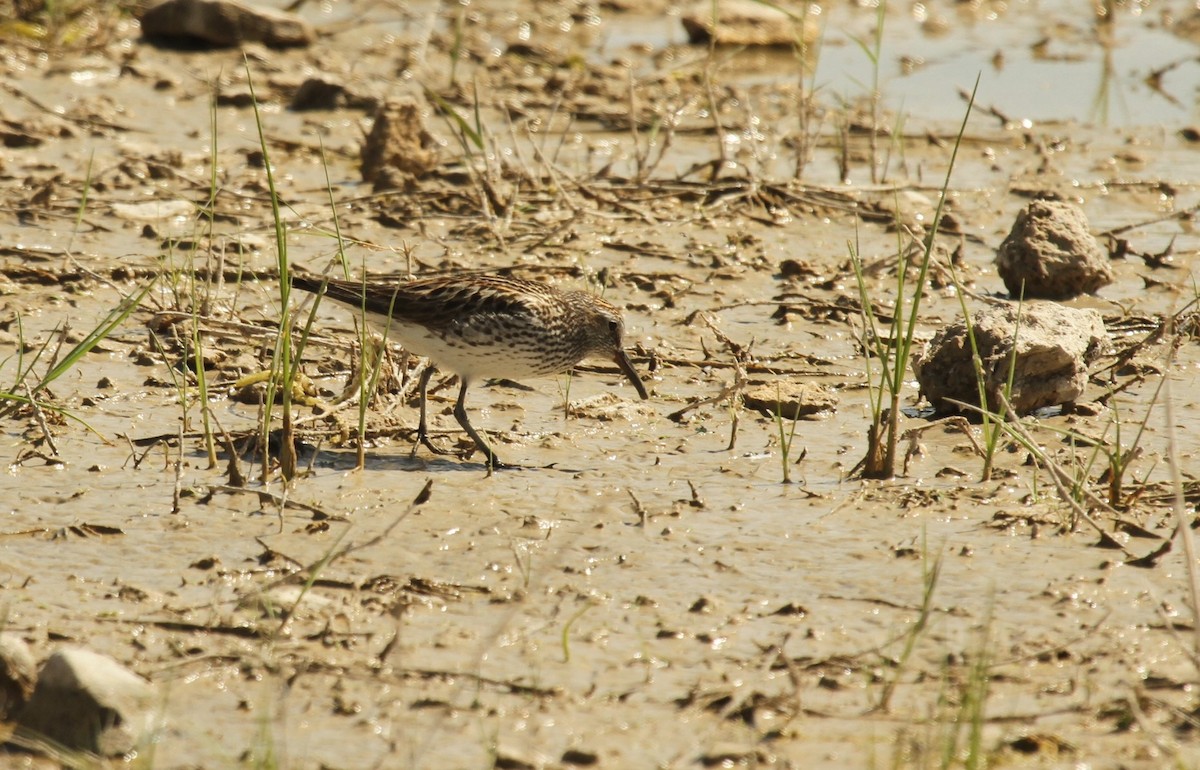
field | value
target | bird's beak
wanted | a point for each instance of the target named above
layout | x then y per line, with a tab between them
628	370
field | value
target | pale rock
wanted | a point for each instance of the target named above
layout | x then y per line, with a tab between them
89	702
1054	345
226	23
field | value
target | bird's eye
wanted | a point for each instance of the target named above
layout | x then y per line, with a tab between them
614	327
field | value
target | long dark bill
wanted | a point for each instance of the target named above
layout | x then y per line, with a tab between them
627	369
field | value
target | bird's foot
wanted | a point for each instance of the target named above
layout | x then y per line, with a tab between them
423	440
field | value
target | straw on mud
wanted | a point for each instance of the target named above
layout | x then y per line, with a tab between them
727	393
47	435
1063	481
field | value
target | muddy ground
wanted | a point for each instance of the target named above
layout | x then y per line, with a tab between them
670	583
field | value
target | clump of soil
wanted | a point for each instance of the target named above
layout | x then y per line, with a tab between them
1051	254
1045	346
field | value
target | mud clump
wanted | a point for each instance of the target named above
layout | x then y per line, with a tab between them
398	151
87	701
791	400
18	672
1053	347
224	23
1051	254
746	22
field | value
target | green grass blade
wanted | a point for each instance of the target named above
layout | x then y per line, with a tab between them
115	317
467	129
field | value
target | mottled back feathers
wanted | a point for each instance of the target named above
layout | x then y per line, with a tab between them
487	325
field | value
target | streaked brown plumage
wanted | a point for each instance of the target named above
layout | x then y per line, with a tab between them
485	326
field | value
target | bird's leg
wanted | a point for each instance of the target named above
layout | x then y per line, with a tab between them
422	426
460	414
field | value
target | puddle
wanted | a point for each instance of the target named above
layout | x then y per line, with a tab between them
1038	62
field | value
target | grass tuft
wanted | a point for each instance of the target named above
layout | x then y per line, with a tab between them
893	348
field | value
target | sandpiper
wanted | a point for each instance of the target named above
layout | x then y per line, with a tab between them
484	326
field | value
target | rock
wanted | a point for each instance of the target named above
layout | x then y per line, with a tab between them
609	406
294	600
793	400
909	208
1054	345
225	23
729	754
580	757
326	92
514	758
747	22
154	210
18	672
242	243
1052	252
318	93
399	151
89	702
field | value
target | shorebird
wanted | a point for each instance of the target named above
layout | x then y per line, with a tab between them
484	326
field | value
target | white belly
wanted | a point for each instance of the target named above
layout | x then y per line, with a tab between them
476	354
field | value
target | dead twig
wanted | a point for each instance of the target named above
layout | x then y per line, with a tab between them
1062	480
728	393
913	435
41	419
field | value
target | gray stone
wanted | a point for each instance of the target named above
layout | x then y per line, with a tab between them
1052	253
89	702
225	23
18	672
1054	345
